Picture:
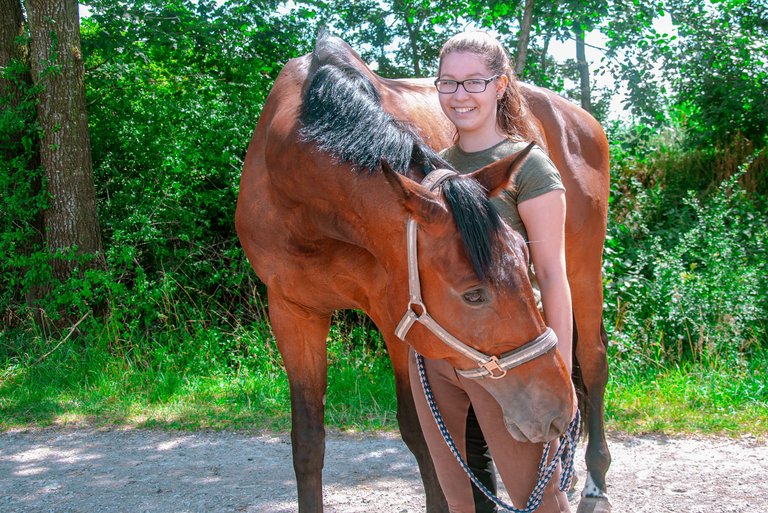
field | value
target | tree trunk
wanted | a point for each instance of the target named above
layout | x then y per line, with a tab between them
583	67
71	221
11	27
524	38
544	52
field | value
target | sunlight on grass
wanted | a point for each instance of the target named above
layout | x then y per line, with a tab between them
171	386
721	400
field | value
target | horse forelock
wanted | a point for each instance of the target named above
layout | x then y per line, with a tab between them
342	114
479	224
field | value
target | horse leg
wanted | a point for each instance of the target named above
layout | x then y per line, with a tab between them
591	345
410	429
301	339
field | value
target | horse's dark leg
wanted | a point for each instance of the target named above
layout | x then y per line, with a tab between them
592	360
410	429
301	339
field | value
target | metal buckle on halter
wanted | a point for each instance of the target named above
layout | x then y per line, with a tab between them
492	366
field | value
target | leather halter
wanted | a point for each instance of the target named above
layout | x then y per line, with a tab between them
488	366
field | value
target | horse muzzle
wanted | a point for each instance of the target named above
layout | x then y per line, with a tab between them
533	413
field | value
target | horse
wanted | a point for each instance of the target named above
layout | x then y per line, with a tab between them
331	181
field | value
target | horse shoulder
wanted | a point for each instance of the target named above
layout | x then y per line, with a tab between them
281	220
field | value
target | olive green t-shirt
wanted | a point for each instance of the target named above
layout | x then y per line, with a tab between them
537	176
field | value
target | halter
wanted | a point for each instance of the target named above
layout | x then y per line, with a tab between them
488	366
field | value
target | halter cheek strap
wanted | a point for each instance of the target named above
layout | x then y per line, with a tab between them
488	366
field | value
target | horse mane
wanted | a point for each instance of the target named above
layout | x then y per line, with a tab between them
342	114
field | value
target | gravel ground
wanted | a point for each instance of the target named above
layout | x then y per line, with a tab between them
133	471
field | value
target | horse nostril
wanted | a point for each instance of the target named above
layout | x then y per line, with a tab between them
555	430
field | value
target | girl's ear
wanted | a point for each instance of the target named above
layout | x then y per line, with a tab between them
501	84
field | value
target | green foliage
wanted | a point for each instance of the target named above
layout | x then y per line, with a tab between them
684	276
722	64
174	92
189	373
712	67
20	187
719	399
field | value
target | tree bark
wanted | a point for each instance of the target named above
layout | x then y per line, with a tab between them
524	38
583	67
71	220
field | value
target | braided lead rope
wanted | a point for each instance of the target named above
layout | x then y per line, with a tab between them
564	454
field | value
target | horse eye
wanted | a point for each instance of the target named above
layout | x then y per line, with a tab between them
475	297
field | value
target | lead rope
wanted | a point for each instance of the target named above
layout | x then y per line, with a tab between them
564	454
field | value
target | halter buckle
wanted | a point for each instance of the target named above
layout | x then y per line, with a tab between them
495	370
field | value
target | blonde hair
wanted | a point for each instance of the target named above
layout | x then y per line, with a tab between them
512	109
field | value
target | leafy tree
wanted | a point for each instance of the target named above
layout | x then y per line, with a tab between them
401	38
71	222
20	178
721	67
523	39
174	91
53	237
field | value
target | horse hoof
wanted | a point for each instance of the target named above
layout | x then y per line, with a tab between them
594	505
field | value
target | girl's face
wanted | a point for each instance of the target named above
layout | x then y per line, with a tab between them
471	113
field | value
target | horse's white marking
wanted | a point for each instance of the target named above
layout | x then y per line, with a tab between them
591	489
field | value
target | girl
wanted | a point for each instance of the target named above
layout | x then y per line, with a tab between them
479	94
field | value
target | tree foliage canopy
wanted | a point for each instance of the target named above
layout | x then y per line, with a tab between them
174	89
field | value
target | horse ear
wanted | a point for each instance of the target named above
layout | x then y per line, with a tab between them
495	177
417	200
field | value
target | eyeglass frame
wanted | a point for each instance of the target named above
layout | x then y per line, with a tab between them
458	83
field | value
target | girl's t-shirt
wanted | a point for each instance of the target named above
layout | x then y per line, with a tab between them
537	176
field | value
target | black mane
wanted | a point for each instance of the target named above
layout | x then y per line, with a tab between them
342	114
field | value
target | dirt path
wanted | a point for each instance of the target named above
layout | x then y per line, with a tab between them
135	471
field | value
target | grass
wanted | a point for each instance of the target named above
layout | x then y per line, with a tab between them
709	398
148	385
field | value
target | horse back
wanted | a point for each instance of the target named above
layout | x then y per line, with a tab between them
574	140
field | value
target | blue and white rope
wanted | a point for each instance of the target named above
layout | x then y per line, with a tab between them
564	454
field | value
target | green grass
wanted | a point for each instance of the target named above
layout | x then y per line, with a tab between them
202	379
207	378
711	398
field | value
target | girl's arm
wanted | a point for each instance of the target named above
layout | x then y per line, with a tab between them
544	219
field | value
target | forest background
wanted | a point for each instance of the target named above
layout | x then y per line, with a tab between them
126	299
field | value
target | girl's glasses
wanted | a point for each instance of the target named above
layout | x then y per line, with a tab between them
471	85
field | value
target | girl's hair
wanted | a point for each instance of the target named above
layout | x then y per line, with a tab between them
512	112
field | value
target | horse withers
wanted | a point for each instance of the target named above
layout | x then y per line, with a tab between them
325	229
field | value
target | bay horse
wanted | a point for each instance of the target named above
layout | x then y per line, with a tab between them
332	175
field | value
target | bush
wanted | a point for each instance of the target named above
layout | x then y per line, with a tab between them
685	277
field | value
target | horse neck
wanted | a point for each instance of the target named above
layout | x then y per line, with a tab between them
365	213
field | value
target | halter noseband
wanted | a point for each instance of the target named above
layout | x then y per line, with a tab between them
488	366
